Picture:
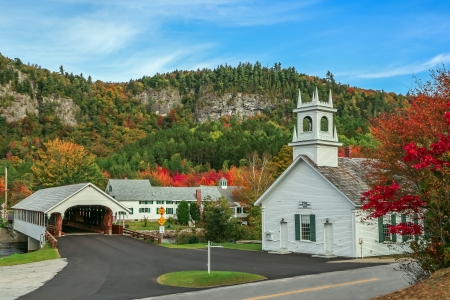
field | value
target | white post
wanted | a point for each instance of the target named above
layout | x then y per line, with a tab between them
209	257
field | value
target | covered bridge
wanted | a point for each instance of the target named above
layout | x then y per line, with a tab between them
83	206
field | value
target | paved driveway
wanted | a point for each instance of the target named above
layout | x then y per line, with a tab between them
119	267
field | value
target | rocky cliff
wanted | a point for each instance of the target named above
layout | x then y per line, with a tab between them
209	105
15	106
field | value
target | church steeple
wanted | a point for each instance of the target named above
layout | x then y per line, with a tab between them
316	136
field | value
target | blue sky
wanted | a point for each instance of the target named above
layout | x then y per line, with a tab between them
369	44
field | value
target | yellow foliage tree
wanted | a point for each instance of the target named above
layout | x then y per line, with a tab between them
61	163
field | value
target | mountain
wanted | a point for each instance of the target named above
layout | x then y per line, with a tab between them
208	118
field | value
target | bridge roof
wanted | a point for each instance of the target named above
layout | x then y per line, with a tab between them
45	199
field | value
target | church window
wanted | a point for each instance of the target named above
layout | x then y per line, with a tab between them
307	124
305	227
324	124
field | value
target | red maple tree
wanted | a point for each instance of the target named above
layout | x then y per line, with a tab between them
411	170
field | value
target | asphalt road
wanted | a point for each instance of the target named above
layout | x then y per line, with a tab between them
358	284
119	267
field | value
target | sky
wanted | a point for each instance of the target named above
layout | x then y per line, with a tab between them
381	45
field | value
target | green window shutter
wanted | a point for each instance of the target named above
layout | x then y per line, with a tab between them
312	225
140	202
297	227
404	237
380	230
131	211
394	222
416	222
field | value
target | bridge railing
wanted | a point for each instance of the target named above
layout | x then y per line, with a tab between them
53	230
51	239
141	235
89	227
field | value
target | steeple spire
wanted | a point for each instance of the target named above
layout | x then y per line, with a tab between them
330	99
314	134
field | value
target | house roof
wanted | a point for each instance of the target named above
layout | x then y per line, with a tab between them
43	200
136	189
348	177
228	194
141	190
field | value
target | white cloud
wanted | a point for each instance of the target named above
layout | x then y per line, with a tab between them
222	12
410	69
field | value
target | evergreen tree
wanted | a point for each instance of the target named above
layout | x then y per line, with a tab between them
183	212
195	211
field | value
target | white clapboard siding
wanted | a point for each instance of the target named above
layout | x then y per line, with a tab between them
304	184
367	230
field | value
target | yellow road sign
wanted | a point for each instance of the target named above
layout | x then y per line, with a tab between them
161	221
161	210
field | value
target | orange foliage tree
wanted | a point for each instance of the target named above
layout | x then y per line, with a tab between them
60	163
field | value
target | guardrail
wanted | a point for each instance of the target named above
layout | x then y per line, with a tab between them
144	236
51	239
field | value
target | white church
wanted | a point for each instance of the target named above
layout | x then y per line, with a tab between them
314	206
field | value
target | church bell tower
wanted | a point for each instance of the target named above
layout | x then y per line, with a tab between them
316	136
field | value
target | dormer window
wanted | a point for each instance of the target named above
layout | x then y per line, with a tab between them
223	182
307	124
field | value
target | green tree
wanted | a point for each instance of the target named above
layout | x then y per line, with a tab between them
195	211
183	212
217	220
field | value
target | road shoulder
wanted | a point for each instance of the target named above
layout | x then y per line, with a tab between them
20	280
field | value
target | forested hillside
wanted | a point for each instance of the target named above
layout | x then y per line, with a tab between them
186	121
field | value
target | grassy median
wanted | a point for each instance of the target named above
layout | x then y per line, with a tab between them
248	247
45	253
201	279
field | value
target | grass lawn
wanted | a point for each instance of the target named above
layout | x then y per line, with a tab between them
151	225
45	253
250	247
201	279
434	287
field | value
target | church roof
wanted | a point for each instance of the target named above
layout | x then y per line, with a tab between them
348	177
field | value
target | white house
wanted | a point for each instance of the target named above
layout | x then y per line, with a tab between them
314	206
143	200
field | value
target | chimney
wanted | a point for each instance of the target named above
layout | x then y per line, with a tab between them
198	196
348	152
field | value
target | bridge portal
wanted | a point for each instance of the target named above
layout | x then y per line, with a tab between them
75	207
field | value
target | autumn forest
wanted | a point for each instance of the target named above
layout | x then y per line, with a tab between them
122	136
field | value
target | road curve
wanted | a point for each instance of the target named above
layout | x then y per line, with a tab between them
119	267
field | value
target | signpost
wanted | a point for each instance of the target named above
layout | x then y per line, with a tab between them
161	221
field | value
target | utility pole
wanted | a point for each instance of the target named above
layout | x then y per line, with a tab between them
5	209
